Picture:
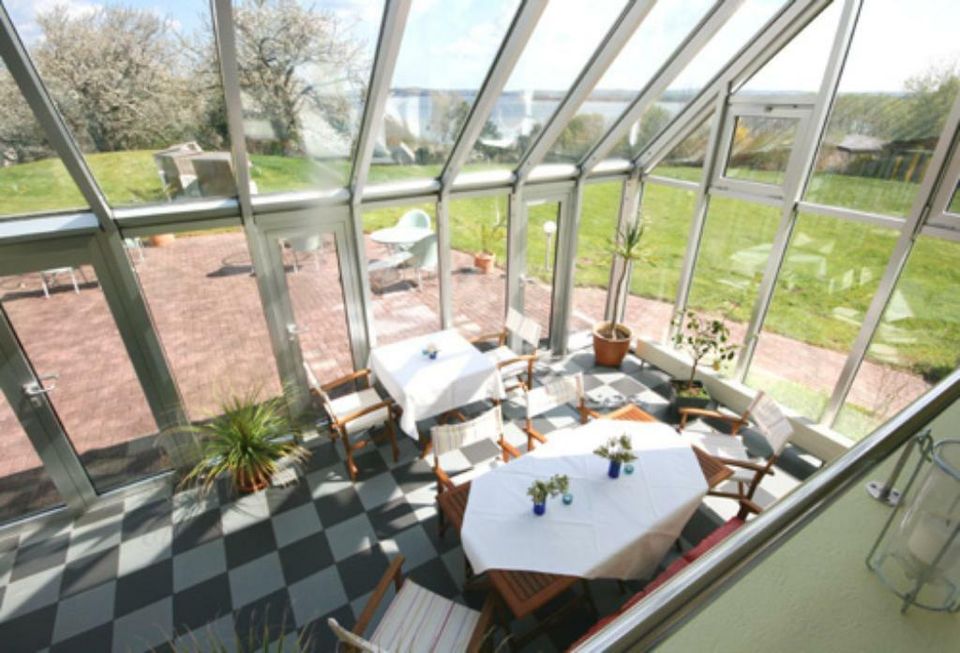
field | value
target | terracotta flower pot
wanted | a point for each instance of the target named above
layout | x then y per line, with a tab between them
609	349
484	261
248	484
161	240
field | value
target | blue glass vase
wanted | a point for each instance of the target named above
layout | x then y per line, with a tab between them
539	508
614	470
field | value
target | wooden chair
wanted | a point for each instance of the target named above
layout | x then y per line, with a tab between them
451	437
556	393
513	365
416	620
352	415
730	449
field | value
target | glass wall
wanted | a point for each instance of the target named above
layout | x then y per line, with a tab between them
566	36
543	225
685	161
428	104
761	149
204	302
402	256
479	225
890	107
917	342
140	90
666	211
599	214
733	256
828	279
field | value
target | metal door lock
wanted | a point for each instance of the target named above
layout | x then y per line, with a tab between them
34	390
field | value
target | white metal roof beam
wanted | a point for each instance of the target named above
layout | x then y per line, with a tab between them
768	41
611	45
388	47
708	26
524	22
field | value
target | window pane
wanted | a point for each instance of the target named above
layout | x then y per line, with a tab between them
733	255
829	276
566	36
304	69
32	177
685	161
667	213
954	206
479	225
66	329
738	31
25	486
761	149
140	90
599	214
890	107
916	343
447	49
401	246
657	37
206	308
543	225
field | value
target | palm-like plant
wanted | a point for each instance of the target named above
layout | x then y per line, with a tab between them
245	441
626	247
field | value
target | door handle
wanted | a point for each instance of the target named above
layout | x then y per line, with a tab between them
293	330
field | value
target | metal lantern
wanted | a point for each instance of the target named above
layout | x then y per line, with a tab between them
918	552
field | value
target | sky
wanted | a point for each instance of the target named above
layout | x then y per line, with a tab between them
451	43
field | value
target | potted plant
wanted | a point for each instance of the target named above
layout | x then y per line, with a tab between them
246	441
161	240
701	338
539	491
611	340
618	451
485	259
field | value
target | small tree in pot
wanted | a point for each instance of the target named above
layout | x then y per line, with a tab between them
485	259
701	338
611	340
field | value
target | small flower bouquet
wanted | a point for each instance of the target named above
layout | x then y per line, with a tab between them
539	491
618	451
431	350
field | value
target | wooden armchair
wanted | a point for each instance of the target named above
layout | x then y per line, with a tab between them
730	449
451	437
556	393
514	366
353	415
417	620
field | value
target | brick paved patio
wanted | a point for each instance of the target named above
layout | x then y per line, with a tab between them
205	303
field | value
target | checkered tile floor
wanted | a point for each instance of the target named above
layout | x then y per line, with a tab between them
186	572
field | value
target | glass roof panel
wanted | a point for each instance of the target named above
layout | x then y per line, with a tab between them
32	177
895	93
667	24
304	70
737	32
131	81
567	35
447	50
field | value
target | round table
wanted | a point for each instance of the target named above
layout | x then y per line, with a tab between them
400	235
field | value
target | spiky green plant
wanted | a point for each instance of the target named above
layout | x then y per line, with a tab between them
626	246
245	441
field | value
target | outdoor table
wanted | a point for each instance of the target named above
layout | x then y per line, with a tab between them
425	387
394	236
615	528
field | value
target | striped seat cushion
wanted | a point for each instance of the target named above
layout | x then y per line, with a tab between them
420	621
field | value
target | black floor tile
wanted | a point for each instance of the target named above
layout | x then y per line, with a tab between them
99	514
40	555
282	499
449	541
434	576
265	620
146	519
321	456
317	637
361	572
413	475
143	587
95	640
197	606
305	557
392	517
89	571
31	631
195	531
249	543
339	506
370	463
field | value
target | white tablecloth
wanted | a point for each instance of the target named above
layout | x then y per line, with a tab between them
425	388
615	528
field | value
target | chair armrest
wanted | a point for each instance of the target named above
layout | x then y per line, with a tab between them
535	434
484	627
509	448
353	376
443	479
394	573
500	337
529	359
686	413
386	403
747	506
746	464
592	413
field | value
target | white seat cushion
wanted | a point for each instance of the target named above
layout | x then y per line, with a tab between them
347	404
419	621
723	446
504	353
